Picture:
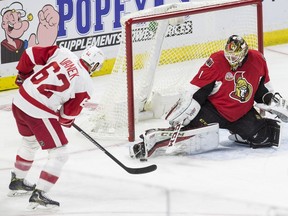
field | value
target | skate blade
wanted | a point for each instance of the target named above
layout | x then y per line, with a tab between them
34	206
18	193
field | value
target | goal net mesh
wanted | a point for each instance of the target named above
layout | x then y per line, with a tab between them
167	52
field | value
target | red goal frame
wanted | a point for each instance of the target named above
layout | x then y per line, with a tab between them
128	27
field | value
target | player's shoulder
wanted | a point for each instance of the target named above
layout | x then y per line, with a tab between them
255	54
65	53
218	56
215	59
64	50
218	53
42	49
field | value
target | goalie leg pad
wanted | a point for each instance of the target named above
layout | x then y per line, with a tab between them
197	141
193	141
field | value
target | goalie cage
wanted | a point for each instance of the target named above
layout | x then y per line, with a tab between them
160	50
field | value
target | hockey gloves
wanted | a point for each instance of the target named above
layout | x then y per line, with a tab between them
21	77
184	111
66	122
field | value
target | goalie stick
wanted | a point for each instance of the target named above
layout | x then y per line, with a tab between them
171	145
130	170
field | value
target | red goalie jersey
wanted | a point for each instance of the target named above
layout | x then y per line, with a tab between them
234	92
61	84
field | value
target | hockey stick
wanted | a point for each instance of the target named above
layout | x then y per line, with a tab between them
6	107
130	170
89	105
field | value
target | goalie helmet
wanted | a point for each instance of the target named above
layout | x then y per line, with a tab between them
235	51
93	57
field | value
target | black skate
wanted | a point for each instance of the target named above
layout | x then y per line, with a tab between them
38	197
19	187
138	151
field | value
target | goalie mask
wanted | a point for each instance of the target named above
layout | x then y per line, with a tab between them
93	57
235	51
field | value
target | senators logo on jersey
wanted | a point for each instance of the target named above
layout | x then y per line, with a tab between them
242	89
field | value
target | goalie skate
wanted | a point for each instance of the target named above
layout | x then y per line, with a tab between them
138	151
19	187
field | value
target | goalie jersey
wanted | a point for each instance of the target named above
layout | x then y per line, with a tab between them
59	84
234	92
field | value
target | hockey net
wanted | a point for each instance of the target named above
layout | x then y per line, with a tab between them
161	49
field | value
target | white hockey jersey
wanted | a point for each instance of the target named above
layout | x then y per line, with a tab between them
59	87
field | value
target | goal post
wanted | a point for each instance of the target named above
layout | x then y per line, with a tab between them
161	48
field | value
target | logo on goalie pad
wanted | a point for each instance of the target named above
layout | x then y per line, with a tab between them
171	134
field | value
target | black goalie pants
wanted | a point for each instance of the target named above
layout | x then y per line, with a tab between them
251	127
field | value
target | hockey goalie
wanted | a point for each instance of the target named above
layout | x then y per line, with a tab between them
225	93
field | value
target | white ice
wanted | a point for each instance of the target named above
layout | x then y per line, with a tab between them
230	181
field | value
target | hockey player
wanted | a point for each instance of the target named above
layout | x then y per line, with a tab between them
51	96
224	91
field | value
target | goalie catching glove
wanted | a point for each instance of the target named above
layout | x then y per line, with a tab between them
277	106
184	111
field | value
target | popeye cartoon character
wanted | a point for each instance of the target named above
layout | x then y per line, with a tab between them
15	23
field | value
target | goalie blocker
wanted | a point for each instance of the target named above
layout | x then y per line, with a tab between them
194	141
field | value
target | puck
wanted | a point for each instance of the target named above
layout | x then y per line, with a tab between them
143	159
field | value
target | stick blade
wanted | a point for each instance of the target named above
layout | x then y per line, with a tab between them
141	170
